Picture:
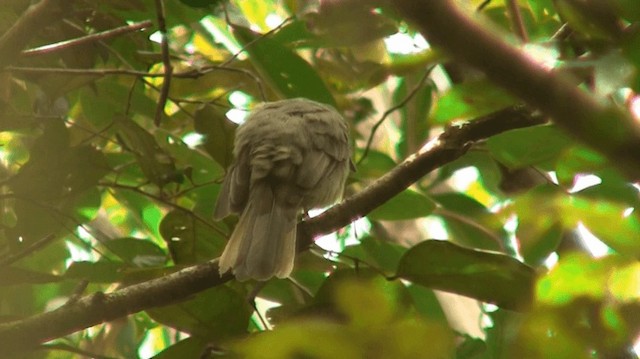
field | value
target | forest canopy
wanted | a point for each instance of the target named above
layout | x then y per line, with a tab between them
491	215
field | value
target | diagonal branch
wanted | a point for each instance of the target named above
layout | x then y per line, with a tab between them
100	36
449	146
603	127
99	307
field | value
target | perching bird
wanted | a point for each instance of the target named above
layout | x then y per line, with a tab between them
290	156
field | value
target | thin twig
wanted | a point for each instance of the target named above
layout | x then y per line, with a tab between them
250	43
516	20
160	199
166	62
10	259
100	36
470	222
190	74
389	111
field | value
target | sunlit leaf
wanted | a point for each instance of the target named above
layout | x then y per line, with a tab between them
470	100
577	275
528	146
600	217
287	72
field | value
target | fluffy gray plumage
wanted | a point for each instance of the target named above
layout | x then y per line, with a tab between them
290	156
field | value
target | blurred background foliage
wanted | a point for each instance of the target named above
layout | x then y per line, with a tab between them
537	234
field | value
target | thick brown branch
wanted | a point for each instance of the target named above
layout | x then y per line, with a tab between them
28	25
98	308
602	127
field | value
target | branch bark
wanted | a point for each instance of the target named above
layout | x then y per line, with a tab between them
449	146
602	127
100	307
100	36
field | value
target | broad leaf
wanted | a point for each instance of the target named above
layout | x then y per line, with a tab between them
214	314
219	132
538	145
288	73
489	277
470	100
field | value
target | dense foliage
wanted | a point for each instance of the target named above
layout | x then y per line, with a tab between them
116	126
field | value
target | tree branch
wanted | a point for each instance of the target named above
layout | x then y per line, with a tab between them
100	36
99	307
449	146
602	127
166	61
28	25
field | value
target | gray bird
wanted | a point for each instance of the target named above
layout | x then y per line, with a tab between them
290	156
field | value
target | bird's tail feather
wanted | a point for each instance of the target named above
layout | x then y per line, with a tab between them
264	240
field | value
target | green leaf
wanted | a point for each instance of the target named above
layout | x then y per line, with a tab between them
538	239
156	164
189	240
489	277
192	347
427	304
55	170
576	160
539	145
406	205
214	314
375	165
470	100
415	126
96	272
469	222
201	3
600	217
288	73
296	33
482	161
381	254
345	292
139	252
219	132
14	276
561	285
